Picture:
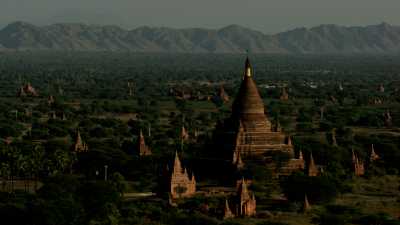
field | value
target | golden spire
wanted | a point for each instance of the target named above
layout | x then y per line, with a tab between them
247	68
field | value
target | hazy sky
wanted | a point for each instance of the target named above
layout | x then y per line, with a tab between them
269	16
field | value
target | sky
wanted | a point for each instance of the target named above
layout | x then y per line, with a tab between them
268	16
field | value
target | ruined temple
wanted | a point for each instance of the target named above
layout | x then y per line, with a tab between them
181	184
144	150
246	201
80	145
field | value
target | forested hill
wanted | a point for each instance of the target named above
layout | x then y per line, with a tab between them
324	39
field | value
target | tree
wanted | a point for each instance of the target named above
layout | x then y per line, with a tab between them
118	181
35	160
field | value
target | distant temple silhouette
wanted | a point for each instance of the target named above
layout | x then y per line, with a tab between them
358	165
27	90
144	150
80	145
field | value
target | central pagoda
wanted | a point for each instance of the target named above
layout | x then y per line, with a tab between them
248	133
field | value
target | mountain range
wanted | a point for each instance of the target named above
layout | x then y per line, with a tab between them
323	39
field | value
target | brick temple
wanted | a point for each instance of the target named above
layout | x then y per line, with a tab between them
80	145
248	134
181	184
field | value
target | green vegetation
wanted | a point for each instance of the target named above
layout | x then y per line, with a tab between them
43	181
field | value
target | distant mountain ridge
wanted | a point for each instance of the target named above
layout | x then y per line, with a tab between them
323	39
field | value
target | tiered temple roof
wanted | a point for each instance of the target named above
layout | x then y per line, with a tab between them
255	135
181	185
249	136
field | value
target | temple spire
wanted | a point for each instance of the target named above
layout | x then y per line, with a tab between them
312	168
306	204
239	162
247	68
301	155
181	184
244	193
80	145
144	150
177	164
227	211
373	156
141	134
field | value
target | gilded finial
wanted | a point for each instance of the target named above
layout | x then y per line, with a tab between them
247	68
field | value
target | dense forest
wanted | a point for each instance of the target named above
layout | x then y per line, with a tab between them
336	105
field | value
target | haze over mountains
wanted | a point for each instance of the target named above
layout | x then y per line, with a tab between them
324	39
